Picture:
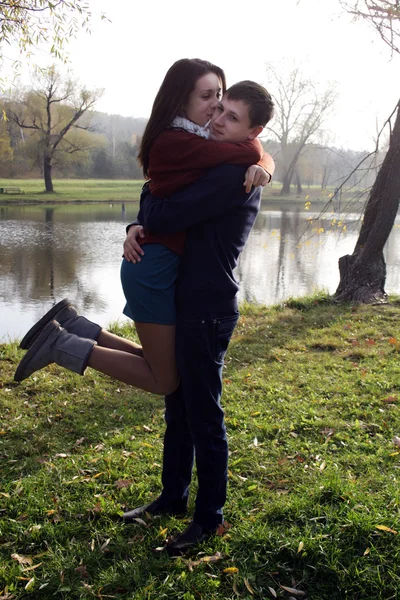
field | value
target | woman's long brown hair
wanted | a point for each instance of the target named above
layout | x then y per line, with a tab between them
172	96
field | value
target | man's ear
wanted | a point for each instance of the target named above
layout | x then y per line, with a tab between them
254	132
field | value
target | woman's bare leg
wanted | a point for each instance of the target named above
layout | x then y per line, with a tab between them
154	372
107	339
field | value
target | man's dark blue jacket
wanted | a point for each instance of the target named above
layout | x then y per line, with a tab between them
217	215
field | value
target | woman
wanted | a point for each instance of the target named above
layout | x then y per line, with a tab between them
184	103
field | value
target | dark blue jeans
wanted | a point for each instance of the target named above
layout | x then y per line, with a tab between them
195	419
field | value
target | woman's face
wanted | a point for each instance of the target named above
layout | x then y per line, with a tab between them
203	99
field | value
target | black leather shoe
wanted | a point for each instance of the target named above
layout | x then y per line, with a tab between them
157	507
193	535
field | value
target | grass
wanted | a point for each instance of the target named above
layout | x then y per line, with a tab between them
312	407
109	190
73	190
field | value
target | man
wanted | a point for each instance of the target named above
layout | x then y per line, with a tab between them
217	215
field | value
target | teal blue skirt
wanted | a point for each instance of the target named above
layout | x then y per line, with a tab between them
149	286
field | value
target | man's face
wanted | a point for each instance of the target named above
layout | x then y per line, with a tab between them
231	122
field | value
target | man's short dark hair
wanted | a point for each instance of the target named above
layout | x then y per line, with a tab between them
259	101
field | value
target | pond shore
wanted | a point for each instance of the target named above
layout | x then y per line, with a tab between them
311	396
77	191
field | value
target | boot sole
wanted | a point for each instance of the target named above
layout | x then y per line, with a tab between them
34	331
163	513
42	337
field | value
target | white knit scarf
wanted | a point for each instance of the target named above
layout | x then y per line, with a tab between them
183	123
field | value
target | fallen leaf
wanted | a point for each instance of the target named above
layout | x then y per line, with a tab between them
29	586
247	584
140	521
396	441
104	546
146	428
273	592
163	532
390	399
370	342
123	483
234	587
300	548
322	466
205	559
22	560
82	571
255	441
32	568
229	570
293	591
384	528
62	455
223	528
367	551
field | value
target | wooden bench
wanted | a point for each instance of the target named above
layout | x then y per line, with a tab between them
10	190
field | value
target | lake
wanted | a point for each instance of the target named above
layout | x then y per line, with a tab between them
72	250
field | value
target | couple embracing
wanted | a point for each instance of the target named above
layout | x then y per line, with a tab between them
205	167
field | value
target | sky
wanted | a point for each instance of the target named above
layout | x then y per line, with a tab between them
129	54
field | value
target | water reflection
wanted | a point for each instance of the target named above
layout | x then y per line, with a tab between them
47	253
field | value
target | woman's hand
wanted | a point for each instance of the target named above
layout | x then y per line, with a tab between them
256	175
132	250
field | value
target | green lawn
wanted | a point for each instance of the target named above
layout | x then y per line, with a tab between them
312	395
107	190
73	190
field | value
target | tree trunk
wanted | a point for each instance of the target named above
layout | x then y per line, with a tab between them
48	181
298	183
363	274
286	185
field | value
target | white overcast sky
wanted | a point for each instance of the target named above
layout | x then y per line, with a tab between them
129	56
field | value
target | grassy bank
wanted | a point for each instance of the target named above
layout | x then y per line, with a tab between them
72	190
312	408
103	190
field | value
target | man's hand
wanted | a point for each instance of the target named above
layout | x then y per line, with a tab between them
132	250
256	175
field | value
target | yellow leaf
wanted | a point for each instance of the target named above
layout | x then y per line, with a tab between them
300	548
32	568
163	532
231	570
255	414
384	528
247	584
147	445
22	560
98	475
367	551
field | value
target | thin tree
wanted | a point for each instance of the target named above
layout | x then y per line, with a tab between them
363	273
30	23
300	110
52	111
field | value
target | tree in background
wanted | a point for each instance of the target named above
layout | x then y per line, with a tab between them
52	112
30	23
363	273
300	111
